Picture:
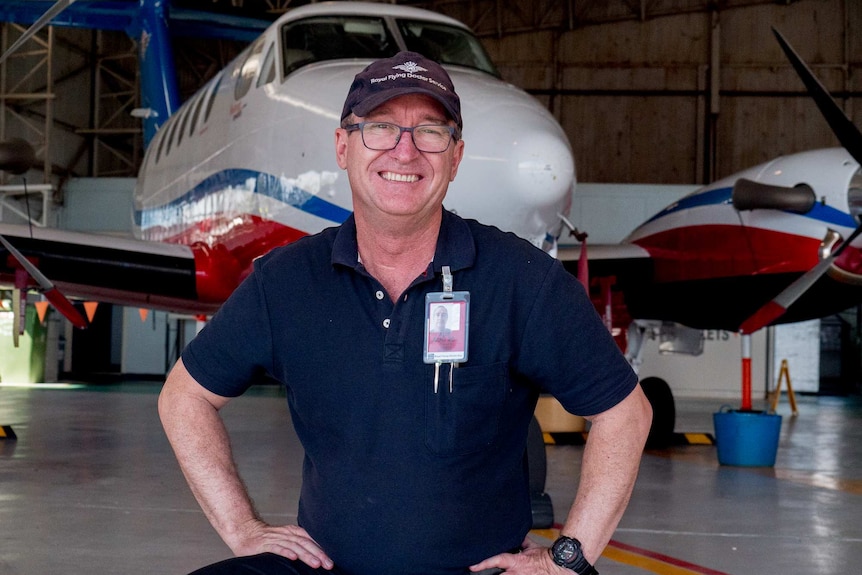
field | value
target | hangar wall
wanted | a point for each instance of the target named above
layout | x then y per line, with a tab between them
677	98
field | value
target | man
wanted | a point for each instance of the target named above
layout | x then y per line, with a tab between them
411	468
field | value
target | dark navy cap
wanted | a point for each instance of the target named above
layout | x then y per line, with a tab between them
402	74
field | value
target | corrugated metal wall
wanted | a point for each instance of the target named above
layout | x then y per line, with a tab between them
675	92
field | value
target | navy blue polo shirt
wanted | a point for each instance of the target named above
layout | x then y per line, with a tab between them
398	479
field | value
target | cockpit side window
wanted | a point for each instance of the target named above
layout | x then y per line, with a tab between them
333	38
248	71
267	73
446	44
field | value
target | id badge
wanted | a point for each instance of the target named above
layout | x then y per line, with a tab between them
447	324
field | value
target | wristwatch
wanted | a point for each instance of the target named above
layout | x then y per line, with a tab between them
566	552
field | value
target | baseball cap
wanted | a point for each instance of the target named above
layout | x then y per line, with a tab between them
404	73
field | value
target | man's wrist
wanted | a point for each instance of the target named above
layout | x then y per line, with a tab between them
567	552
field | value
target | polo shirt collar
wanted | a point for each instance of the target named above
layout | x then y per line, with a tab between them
455	245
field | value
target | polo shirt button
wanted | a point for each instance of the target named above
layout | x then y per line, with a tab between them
379	294
386	323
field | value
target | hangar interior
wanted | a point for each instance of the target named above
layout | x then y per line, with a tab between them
669	94
656	97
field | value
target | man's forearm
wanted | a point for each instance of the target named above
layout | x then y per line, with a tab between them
200	441
608	472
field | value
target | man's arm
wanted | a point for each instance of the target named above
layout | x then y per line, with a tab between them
608	471
190	416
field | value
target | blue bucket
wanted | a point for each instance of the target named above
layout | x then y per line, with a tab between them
746	438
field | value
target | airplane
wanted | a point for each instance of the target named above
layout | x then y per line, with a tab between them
246	164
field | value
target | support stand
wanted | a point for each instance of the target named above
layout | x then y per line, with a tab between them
784	373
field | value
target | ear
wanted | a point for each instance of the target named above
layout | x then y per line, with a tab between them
457	156
341	148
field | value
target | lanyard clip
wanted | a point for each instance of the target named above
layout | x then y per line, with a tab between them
447	282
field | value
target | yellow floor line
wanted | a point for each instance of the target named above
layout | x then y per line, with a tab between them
646	563
627	557
814	479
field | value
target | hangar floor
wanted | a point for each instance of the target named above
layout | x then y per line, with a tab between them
91	486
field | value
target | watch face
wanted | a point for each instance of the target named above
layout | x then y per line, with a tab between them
564	550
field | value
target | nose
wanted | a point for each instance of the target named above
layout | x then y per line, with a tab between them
405	148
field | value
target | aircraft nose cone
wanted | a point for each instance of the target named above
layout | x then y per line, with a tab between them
542	167
516	152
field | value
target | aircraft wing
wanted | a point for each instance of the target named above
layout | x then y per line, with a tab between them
625	261
107	268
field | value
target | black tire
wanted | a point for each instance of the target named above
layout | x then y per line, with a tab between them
537	461
537	465
658	393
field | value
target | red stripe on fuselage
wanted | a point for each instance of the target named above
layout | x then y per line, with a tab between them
717	251
225	249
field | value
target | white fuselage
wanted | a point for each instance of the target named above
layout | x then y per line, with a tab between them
266	159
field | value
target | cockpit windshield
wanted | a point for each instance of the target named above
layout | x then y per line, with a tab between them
446	44
337	37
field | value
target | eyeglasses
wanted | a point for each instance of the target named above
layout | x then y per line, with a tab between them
382	136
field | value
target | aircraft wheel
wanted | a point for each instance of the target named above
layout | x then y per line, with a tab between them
537	463
660	397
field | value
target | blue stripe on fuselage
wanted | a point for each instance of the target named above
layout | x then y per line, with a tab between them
266	184
819	212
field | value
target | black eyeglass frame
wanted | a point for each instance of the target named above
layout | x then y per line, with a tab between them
454	134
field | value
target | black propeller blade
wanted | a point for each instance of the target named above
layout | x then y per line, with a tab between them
851	138
846	132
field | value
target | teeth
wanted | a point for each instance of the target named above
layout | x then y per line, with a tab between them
392	177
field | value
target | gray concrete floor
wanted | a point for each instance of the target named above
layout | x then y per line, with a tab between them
91	487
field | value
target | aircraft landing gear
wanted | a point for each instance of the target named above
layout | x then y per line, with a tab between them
660	397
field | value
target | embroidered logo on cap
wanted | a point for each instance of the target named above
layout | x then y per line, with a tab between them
410	67
402	74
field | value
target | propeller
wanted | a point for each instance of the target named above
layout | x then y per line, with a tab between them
49	15
59	301
851	138
16	157
776	307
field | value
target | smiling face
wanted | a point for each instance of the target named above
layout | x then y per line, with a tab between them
402	183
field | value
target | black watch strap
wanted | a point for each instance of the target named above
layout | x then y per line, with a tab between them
588	569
